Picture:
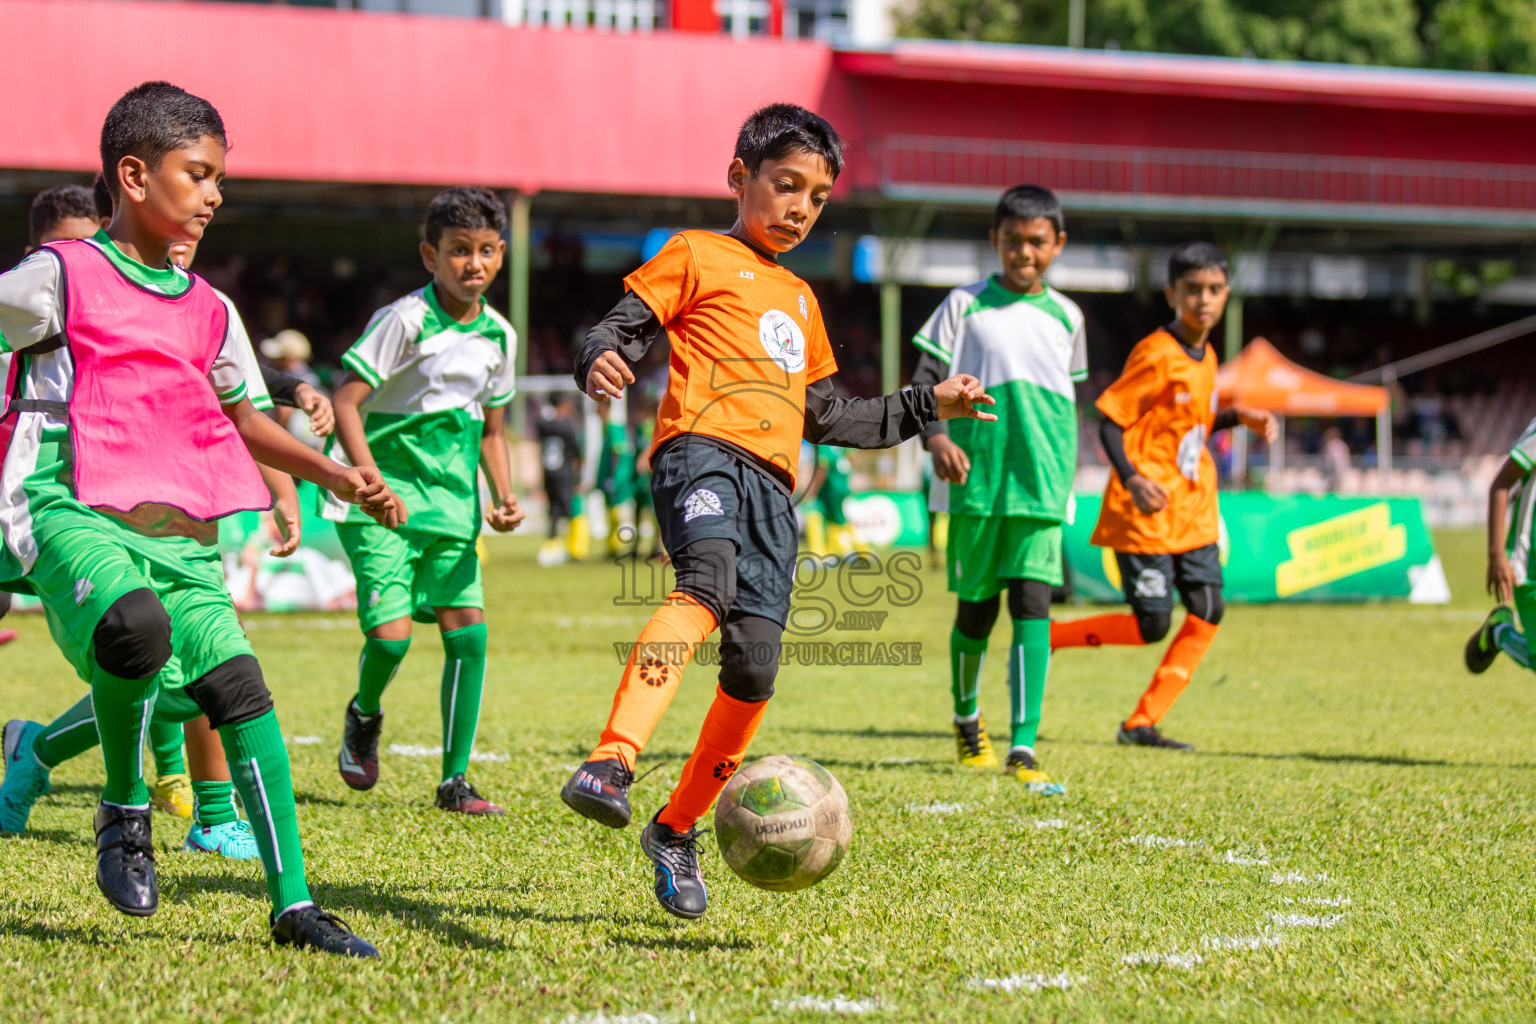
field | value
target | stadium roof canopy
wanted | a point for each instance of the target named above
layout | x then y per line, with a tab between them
358	97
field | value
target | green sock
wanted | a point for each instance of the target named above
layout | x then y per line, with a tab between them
1508	639
966	656
123	710
213	803
258	763
165	739
1028	660
376	669
463	682
68	736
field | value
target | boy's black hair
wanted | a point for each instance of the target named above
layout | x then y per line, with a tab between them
1195	256
783	128
103	195
52	205
464	207
151	120
1026	203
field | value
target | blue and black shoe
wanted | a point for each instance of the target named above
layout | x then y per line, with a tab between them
1481	651
600	790
679	882
25	779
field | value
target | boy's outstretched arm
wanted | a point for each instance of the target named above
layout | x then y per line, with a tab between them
1501	575
618	341
890	419
1259	421
273	446
1149	495
285	509
505	515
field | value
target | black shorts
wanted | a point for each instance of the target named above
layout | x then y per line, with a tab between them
561	491
701	491
1150	580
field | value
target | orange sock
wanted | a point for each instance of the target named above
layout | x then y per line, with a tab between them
1179	663
723	741
1096	631
651	675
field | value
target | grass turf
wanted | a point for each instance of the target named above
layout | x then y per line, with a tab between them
1352	839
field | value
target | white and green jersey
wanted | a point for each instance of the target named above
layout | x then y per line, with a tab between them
1028	351
432	377
35	472
1521	539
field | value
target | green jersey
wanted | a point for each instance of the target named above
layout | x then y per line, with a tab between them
1522	529
1028	351
432	378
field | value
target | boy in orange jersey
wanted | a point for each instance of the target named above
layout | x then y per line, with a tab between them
1159	512
748	380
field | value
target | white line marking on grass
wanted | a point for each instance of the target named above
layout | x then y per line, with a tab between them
591	621
1026	982
1320	901
900	760
286	623
306	741
623	1018
1305	920
569	767
836	1004
1246	860
937	807
1185	961
1297	878
1161	842
1052	823
419	750
1240	941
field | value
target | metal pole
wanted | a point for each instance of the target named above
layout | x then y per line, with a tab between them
1076	17
890	333
1276	459
1234	327
1384	431
520	204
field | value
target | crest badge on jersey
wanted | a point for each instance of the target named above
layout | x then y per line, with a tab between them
783	340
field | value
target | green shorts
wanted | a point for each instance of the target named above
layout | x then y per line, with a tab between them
985	551
403	573
1525	611
86	562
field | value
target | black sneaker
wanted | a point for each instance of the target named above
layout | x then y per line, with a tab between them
359	757
600	790
309	927
1148	736
679	882
458	795
125	859
1481	652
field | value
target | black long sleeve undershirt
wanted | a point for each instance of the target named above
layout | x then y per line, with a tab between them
1112	437
930	371
282	387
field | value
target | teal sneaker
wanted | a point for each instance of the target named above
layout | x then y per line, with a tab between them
233	839
25	779
1481	650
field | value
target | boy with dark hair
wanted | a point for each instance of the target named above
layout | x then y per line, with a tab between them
1007	488
1159	512
129	433
749	379
62	213
559	435
425	406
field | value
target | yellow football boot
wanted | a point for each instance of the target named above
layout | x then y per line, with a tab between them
173	795
973	744
1021	765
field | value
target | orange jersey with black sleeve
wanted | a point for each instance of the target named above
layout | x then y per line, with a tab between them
1166	403
747	338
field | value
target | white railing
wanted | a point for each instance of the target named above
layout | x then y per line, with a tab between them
603	15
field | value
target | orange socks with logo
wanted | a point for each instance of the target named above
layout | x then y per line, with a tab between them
1096	631
723	741
1179	663
651	675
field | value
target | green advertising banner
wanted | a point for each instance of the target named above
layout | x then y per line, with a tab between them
1293	548
885	519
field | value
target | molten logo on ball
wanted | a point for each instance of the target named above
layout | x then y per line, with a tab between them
783	823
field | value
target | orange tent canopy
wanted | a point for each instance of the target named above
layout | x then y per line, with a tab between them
1261	378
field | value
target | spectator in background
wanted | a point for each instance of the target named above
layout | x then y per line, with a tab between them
289	351
1335	459
559	433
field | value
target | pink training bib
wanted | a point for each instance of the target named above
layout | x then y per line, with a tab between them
146	425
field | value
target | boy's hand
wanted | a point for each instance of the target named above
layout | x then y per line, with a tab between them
285	516
608	378
322	418
950	463
1260	422
960	395
506	517
1148	495
365	486
1501	577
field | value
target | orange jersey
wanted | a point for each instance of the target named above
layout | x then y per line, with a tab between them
747	338
1166	402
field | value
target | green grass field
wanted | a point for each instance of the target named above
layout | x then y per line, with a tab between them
1354	839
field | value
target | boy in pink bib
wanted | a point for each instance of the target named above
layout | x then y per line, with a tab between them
127	435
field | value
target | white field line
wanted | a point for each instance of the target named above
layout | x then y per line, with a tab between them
1184	961
1297	878
596	621
900	760
834	1004
1163	842
1026	982
1052	823
937	807
1246	860
1305	920
418	750
623	1018
306	741
1320	901
305	623
1240	941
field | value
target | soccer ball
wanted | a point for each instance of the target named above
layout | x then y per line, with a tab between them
783	823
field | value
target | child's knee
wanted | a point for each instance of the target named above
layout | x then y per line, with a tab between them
1205	603
233	693
132	640
706	572
750	647
1153	625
